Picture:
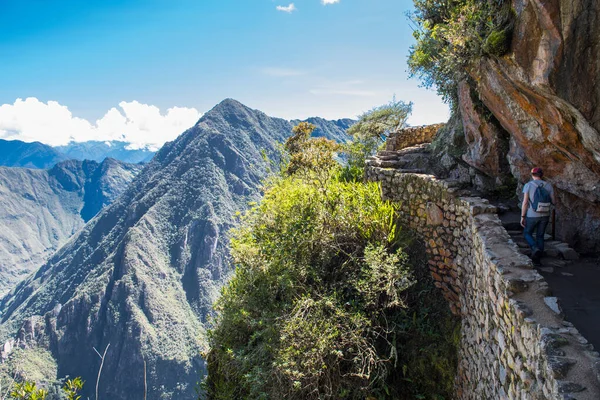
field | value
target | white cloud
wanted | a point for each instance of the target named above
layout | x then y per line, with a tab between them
141	125
329	1
288	9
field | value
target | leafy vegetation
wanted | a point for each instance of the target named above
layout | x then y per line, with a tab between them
330	298
452	34
29	390
72	388
306	155
370	132
380	121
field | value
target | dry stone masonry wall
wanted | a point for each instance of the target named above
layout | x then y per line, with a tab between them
513	346
412	136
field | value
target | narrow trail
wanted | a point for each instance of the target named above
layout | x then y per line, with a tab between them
574	280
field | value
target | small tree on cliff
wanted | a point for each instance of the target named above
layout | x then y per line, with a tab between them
370	132
380	121
310	155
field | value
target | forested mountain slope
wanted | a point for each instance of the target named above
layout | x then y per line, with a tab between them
143	274
41	209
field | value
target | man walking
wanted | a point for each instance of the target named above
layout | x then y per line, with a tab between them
535	211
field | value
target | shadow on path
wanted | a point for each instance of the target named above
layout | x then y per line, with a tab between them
577	286
575	282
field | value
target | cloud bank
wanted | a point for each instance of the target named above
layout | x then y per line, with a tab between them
329	1
141	125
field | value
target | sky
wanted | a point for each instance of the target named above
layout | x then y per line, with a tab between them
144	70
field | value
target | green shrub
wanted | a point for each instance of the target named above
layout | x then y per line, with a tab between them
378	122
28	391
324	302
452	35
497	42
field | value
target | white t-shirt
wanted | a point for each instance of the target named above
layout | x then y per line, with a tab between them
530	188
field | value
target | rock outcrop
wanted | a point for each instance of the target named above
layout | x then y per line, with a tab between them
41	209
545	96
412	136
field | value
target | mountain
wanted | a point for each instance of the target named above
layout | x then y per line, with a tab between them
41	209
143	274
335	130
98	151
14	153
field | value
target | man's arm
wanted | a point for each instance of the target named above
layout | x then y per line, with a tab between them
524	208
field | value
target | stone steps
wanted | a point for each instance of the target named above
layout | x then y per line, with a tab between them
399	159
554	248
421	148
387	157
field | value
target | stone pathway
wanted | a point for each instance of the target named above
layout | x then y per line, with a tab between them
571	287
411	160
574	281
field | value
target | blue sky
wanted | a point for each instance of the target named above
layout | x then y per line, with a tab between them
89	57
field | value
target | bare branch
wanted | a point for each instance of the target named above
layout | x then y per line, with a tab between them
101	365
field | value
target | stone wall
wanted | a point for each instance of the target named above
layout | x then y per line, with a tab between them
513	345
412	136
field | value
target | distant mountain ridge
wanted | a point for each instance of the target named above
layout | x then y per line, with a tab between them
41	209
331	129
142	275
15	153
98	151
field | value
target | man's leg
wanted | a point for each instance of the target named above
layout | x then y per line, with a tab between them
530	224
541	231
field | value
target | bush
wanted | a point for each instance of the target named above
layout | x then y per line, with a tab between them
452	35
380	121
324	302
497	43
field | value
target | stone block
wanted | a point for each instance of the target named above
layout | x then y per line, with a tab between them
560	366
570	387
435	215
552	303
568	253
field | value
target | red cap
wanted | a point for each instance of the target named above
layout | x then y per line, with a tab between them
537	171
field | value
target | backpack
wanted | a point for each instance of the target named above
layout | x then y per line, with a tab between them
541	199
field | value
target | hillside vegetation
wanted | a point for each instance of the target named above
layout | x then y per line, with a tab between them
143	274
330	298
41	209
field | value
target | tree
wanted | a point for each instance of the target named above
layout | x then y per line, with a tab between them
452	35
324	303
310	155
380	121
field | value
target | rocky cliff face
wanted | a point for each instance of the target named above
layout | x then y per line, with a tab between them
543	98
41	209
143	274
